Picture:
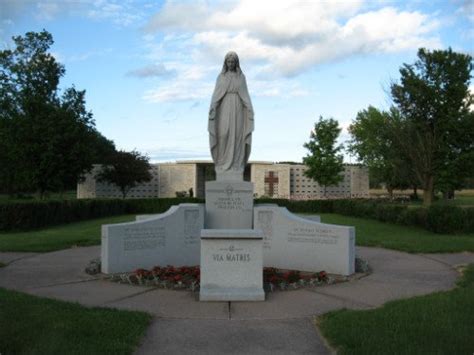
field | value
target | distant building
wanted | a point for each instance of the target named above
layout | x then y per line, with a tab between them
271	180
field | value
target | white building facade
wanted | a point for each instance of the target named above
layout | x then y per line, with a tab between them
270	179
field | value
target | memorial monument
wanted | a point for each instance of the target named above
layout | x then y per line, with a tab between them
229	199
230	239
231	250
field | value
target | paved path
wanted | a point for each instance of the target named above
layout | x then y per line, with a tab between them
283	324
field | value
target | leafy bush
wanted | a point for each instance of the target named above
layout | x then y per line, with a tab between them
437	218
449	219
33	215
412	217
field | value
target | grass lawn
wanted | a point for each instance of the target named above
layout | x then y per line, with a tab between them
405	238
439	323
461	198
58	237
33	325
368	233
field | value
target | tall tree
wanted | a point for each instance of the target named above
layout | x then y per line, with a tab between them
436	129
374	142
47	143
324	161
126	170
104	149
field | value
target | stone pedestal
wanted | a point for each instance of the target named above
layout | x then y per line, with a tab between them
231	265
229	205
230	175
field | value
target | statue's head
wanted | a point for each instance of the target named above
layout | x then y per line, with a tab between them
231	63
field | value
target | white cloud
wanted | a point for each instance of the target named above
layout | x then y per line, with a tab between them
121	13
47	10
10	10
79	57
285	88
189	81
282	19
467	9
290	37
153	70
167	154
179	90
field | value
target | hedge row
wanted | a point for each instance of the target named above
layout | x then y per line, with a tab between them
437	218
33	215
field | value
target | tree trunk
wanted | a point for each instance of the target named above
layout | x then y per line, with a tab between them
415	193
448	195
428	190
390	192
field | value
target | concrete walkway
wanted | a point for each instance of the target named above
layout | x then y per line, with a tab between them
283	324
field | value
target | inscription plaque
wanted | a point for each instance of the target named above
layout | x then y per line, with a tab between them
192	227
143	238
264	220
311	234
231	265
170	238
229	205
293	242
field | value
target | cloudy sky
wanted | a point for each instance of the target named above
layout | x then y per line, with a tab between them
149	67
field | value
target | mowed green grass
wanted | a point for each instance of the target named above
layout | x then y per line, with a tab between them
463	198
59	237
33	325
368	233
404	238
439	323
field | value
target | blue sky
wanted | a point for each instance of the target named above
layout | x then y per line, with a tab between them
149	67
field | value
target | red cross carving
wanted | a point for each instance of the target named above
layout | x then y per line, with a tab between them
272	180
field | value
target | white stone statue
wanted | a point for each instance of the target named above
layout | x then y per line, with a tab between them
230	121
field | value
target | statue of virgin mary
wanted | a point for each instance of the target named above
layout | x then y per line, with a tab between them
230	121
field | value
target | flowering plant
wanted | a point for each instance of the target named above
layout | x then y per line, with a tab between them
188	278
291	279
184	277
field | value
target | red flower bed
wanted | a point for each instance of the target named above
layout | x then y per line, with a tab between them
283	278
188	277
167	276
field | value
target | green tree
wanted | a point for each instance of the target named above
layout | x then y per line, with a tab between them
46	137
324	163
374	143
104	149
126	170
436	126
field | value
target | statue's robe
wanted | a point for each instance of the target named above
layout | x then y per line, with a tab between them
230	122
